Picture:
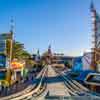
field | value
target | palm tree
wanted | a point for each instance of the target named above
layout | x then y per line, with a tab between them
18	50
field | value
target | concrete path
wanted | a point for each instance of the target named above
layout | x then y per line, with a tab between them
56	88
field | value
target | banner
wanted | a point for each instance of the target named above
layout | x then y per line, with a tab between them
17	64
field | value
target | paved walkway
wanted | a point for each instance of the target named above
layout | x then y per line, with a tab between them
56	88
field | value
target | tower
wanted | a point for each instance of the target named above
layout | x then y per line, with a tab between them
49	50
38	56
49	55
94	29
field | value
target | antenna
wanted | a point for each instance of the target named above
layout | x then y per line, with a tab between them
11	25
92	6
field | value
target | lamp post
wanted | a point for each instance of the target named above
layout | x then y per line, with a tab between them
11	42
11	51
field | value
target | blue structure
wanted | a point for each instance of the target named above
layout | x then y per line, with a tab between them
2	61
77	64
3	75
83	75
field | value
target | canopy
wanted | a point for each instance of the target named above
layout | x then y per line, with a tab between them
17	65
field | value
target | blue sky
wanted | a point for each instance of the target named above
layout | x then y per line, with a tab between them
65	24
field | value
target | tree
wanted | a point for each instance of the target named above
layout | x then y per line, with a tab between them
18	50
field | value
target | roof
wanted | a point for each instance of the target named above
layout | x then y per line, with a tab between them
83	75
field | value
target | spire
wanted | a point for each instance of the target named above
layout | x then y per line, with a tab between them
37	56
92	8
38	52
49	49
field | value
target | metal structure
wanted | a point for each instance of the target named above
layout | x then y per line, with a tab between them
96	38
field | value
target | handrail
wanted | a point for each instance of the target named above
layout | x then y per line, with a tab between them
92	83
20	94
32	92
14	95
76	90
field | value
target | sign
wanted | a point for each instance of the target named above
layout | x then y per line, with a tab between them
17	65
2	61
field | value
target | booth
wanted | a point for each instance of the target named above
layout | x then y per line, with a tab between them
17	67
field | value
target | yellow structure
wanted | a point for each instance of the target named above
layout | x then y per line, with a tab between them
17	65
6	81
